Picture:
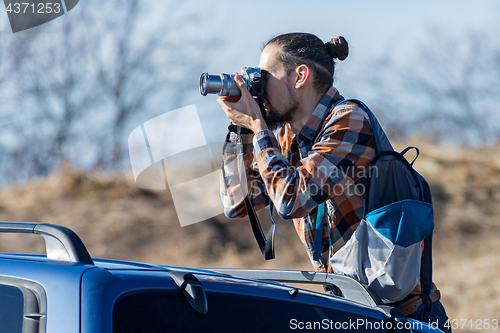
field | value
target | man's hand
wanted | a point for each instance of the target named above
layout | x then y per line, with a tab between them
244	112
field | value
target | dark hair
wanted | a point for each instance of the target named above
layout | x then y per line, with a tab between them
302	48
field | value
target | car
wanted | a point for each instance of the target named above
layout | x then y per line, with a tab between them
68	291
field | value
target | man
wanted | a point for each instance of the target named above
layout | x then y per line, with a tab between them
319	155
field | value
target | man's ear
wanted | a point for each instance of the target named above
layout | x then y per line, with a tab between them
303	74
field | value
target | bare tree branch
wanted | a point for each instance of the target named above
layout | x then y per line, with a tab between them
77	91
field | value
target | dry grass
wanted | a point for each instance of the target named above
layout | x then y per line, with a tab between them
118	220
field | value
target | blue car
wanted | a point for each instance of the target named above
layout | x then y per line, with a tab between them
67	291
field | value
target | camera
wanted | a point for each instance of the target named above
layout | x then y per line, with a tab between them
224	85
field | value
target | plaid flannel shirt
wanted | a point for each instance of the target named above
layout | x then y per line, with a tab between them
326	161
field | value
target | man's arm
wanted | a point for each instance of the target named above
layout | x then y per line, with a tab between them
231	192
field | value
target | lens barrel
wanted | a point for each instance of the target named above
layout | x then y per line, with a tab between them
222	84
210	84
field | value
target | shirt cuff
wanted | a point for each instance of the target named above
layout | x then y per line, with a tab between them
263	140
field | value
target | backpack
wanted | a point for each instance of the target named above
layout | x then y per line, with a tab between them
385	251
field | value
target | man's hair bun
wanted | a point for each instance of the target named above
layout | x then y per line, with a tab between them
337	48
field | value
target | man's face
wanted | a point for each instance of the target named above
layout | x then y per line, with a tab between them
280	99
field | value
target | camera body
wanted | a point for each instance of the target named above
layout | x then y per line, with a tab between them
224	85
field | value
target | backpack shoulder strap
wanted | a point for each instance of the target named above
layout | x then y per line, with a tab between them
381	139
426	264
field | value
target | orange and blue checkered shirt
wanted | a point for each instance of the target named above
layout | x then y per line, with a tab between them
326	162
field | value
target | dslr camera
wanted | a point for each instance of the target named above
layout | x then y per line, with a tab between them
224	85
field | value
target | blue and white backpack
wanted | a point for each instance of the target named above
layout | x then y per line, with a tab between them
385	250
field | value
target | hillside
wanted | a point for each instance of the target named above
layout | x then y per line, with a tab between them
116	219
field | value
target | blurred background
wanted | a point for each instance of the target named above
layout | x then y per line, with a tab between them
72	90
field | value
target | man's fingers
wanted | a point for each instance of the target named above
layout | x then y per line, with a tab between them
239	81
226	108
222	102
227	103
243	87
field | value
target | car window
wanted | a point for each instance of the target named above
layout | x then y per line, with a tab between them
156	311
11	309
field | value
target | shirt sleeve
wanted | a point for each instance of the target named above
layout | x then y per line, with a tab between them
231	192
340	155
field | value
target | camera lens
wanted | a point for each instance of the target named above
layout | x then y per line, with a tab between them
222	84
210	84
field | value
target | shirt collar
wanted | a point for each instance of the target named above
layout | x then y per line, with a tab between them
317	118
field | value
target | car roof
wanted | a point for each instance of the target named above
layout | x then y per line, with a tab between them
68	259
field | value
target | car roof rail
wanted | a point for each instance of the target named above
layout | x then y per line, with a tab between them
351	288
61	243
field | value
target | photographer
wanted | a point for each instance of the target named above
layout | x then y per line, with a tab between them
318	156
314	172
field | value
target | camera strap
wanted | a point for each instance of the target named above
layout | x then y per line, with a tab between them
266	245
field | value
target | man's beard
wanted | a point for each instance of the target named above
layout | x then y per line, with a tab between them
277	118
